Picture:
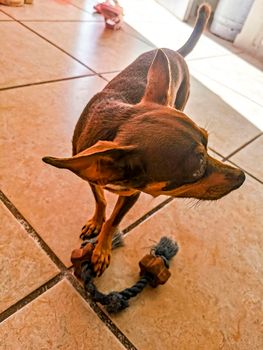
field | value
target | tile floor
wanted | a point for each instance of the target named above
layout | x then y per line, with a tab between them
54	56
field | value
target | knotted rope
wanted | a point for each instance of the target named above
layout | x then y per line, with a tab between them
154	271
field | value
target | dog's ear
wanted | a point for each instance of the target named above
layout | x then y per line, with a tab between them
101	163
158	80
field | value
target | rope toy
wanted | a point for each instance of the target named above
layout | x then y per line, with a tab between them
154	271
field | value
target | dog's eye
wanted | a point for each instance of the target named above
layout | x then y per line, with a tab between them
200	172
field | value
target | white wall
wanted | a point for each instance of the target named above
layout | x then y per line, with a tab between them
251	36
197	3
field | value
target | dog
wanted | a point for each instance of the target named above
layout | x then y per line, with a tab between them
133	137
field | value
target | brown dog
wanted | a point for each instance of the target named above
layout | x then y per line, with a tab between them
133	137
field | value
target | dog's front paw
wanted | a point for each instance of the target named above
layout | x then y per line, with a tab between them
91	229
100	259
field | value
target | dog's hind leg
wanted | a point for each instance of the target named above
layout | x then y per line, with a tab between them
93	226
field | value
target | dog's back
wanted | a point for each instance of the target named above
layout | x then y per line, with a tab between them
100	119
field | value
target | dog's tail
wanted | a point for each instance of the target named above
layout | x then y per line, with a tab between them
203	15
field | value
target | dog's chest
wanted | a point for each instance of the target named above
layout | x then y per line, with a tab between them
120	190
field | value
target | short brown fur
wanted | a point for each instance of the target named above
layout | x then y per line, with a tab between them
134	137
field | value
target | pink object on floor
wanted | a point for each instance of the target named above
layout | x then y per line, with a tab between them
112	13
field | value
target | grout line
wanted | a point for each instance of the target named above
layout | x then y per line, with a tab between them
67	53
61	20
100	75
243	146
31	231
208	57
47	82
101	314
64	273
11	18
139	36
57	47
30	297
110	72
50	42
213	150
64	51
245	171
147	215
236	165
96	21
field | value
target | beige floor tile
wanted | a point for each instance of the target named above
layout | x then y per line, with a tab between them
147	10
4	17
131	31
24	266
36	122
88	6
163	35
28	61
85	4
110	76
248	109
58	319
103	50
132	9
228	129
255	61
250	158
213	299
48	10
234	73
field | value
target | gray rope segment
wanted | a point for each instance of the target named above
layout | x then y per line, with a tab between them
117	301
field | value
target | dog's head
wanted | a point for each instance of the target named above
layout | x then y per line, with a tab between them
157	151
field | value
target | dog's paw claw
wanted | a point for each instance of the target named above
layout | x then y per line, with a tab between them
100	260
91	229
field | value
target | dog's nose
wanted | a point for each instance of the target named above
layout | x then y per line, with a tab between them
241	178
237	177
